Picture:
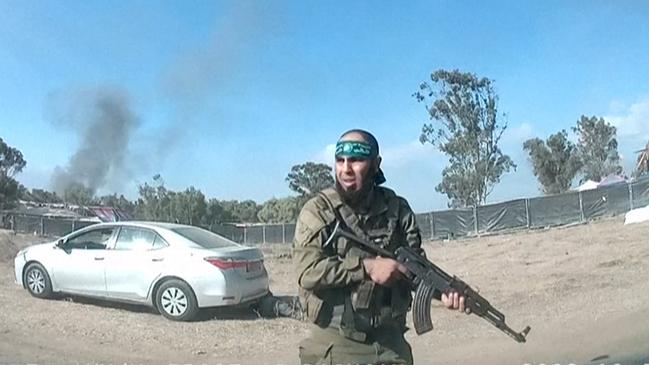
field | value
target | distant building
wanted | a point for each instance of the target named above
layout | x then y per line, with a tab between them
68	211
110	214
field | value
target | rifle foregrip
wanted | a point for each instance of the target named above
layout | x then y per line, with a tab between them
421	308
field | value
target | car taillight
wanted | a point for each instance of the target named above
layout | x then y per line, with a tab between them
225	264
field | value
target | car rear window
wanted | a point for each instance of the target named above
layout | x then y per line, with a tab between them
204	238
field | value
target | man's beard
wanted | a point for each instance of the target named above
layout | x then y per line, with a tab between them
355	198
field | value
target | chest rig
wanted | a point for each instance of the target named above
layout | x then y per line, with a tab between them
366	307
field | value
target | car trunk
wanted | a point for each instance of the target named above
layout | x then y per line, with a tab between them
245	261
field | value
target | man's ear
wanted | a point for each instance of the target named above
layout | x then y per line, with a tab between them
377	163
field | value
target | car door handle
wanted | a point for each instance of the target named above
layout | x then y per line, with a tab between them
157	259
99	258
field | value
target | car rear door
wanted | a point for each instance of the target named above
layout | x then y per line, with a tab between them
81	269
136	260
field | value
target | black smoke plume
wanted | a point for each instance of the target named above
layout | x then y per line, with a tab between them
104	122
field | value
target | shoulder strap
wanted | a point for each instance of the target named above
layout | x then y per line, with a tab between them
345	217
325	196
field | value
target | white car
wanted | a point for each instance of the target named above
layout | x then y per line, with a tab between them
174	268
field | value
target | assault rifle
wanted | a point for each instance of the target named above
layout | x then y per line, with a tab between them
426	278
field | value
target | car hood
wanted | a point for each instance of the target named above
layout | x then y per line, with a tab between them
37	248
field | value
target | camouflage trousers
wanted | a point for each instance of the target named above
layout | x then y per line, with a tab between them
328	347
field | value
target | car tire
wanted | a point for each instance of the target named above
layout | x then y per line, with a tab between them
37	281
176	300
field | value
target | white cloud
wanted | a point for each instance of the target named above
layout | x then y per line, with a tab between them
518	134
393	156
404	154
412	170
632	122
616	106
326	155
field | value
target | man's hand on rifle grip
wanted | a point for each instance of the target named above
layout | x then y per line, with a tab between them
455	301
383	270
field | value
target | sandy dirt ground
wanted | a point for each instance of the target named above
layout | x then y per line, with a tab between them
584	290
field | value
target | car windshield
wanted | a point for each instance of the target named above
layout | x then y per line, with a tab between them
204	238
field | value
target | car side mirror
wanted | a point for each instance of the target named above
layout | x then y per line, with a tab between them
61	243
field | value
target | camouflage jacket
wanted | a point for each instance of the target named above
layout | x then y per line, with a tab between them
329	268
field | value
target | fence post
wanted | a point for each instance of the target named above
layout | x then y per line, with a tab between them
283	233
245	240
432	225
475	219
263	234
581	208
42	226
631	196
73	221
527	213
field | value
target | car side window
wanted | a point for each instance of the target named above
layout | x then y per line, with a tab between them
97	239
159	242
135	239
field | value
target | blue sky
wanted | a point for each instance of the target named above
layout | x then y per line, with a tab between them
227	96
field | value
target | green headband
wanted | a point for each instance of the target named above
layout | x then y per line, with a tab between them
355	149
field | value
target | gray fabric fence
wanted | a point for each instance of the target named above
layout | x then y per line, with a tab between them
538	212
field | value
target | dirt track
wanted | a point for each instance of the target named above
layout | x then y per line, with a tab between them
584	291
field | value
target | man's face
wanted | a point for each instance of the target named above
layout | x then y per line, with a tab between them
354	179
355	175
352	173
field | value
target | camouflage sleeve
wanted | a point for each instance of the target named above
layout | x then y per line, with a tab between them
315	268
409	225
413	235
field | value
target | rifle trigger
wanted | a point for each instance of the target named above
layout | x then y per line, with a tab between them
410	276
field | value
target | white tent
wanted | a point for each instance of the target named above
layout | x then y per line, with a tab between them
611	179
637	215
588	185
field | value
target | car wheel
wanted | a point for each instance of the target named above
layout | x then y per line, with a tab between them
176	300
38	281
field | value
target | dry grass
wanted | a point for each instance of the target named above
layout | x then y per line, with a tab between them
583	289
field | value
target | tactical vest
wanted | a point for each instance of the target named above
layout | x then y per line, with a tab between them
358	311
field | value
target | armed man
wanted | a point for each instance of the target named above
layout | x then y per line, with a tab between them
357	300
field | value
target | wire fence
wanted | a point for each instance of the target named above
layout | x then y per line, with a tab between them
530	213
258	233
56	227
44	226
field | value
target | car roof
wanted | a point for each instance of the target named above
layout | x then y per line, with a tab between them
143	224
146	224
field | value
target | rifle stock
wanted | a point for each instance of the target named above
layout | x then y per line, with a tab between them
426	279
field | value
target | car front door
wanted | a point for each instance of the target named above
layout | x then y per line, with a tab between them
135	262
81	269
